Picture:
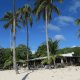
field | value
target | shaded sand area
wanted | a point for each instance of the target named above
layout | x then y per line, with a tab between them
68	73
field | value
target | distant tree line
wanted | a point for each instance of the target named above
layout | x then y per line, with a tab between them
6	57
76	51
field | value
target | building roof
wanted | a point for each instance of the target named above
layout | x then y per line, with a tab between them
68	54
40	58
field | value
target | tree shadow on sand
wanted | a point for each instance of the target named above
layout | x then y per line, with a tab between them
24	78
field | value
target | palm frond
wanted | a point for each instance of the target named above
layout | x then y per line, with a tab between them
39	9
25	15
60	1
77	21
30	20
3	19
55	9
6	25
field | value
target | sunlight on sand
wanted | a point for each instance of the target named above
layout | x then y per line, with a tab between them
68	73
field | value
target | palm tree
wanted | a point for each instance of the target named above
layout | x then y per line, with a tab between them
8	19
14	38
45	8
26	19
11	21
53	47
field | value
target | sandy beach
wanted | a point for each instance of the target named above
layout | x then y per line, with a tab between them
68	73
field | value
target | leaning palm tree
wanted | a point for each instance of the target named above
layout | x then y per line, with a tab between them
26	19
45	8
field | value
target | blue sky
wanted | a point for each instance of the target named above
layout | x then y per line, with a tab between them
61	27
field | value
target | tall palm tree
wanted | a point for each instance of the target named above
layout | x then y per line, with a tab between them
45	8
14	38
26	19
11	21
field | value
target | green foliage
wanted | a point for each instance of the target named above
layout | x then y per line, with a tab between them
42	51
78	21
21	52
6	56
8	59
53	46
46	62
8	64
42	5
76	51
2	58
8	19
25	15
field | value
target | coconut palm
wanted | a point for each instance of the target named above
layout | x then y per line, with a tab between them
14	38
8	19
26	19
53	47
45	8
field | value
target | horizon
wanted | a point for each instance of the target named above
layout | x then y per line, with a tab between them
61	28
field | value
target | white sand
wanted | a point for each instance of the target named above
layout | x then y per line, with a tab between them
69	73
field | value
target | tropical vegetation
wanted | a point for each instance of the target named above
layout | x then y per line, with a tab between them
23	15
45	8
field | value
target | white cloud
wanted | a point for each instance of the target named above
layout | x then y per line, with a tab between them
33	52
65	20
75	6
53	27
59	37
73	46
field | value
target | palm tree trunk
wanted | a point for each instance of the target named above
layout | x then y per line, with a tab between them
27	33
14	40
48	55
11	36
54	61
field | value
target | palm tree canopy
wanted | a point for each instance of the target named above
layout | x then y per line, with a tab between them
25	15
41	5
8	19
53	46
78	21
